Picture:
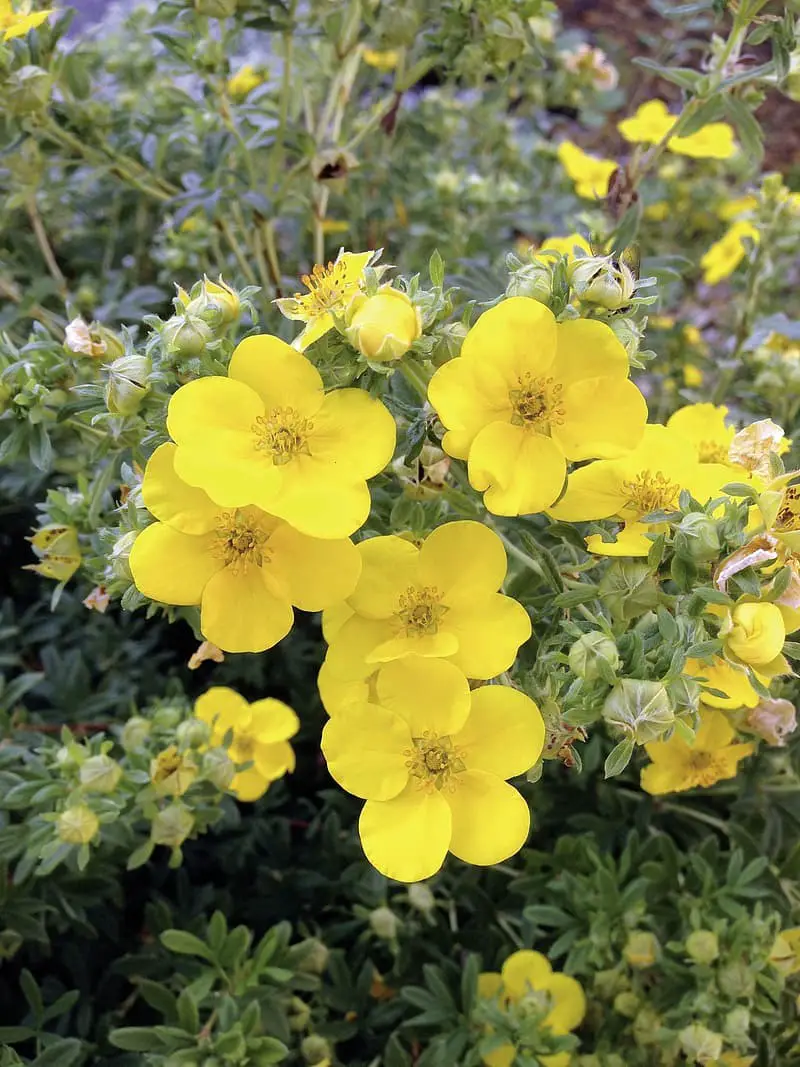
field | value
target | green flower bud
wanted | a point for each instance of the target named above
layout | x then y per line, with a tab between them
217	304
602	280
702	946
639	709
735	979
216	9
120	554
700	1044
628	589
70	757
127	385
113	345
448	339
219	768
588	651
696	538
134	733
736	1025
641	949
385	923
532	279
299	1015
421	898
77	825
192	733
186	336
167	716
10	943
315	1049
172	826
27	91
628	333
310	956
627	1004
100	774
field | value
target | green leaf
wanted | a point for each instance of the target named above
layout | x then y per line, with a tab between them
236	945
747	126
619	758
32	994
186	944
158	997
62	1054
10	1034
39	448
469	983
188	1015
682	76
136	1039
217	931
436	269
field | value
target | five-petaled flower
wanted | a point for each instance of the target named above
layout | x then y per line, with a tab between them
330	290
710	757
16	23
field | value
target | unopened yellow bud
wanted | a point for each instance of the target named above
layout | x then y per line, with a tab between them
757	633
100	774
216	305
602	280
383	327
77	825
186	336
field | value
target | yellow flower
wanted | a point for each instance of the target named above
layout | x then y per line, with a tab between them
439	600
383	327
330	290
658	211
692	335
649	478
521	400
382	61
18	23
431	761
334	226
723	676
714	141
641	949
172	772
260	735
785	954
661	322
693	377
565	245
244	81
678	765
527	978
756	634
725	255
703	425
56	545
244	567
269	435
649	125
77	825
590	174
741	205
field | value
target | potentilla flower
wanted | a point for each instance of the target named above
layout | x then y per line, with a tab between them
521	400
678	765
384	326
590	174
439	600
172	772
244	567
719	676
713	141
725	255
18	23
648	479
565	245
259	737
527	979
269	435
650	123
753	634
432	768
244	81
330	290
381	60
704	426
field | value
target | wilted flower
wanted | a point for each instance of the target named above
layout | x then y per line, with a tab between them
78	339
205	651
172	772
593	65
56	545
97	600
753	445
772	720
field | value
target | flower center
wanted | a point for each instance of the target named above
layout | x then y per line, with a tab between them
712	452
650	491
788	517
537	403
282	434
434	760
167	763
420	610
328	289
244	745
240	542
705	769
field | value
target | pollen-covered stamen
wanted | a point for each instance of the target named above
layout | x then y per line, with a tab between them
712	452
328	288
650	491
239	541
434	760
420	610
706	769
537	403
282	434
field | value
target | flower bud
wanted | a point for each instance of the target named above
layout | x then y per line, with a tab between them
172	826
421	898
77	825
628	589
26	91
532	279
696	538
172	772
757	633
299	1015
383	327
217	305
735	979
119	556
772	720
168	715
10	943
219	768
315	1050
216	9
192	733
702	946
112	343
700	1044
602	280
627	1004
134	733
641	949
639	709
127	385
587	653
100	774
736	1026
186	336
385	923
310	956
785	952
628	333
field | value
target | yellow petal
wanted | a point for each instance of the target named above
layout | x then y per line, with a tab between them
171	500
274	760
215	406
525	971
490	985
334	618
406	838
223	709
241	613
348	652
316	328
318	500
23	24
721	675
704	426
271	721
429	694
173	567
593	492
490	818
337	695
366	748
389	567
318	573
714	731
517	337
234	478
443	643
504	733
658	779
631	540
605	429
278	374
468	395
502	1056
569	1005
489	634
521	472
588	349
354	434
249	785
463	560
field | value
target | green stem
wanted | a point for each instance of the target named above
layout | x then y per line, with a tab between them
416	378
279	149
236	248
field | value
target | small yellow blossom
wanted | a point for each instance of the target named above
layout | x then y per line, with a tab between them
381	60
77	825
330	226
384	326
649	125
661	322
432	764
734	209
711	757
565	245
692	335
330	290
693	377
260	735
590	174
521	401
172	772
18	23
714	141
659	211
704	426
244	81
652	122
725	255
726	678
56	545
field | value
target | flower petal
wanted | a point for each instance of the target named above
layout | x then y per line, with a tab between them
366	748
271	721
463	560
504	733
524	971
318	573
429	694
249	785
593	492
274	760
354	434
171	500
214	406
278	374
173	567
714	731
406	838
569	1005
521	472
337	695
468	395
241	613
315	329
490	818
389	567
353	643
604	430
518	336
444	643
588	349
319	501
631	540
489	635
223	709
